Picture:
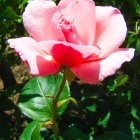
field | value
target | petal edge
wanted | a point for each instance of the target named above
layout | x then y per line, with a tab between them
40	64
94	72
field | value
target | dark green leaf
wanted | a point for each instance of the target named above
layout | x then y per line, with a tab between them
4	127
74	133
6	104
8	14
52	137
114	135
119	81
120	99
33	101
31	132
43	133
3	28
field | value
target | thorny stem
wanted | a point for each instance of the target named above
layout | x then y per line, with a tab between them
54	117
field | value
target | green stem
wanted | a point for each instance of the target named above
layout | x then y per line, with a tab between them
54	117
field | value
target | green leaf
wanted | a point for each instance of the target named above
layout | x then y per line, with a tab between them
138	11
65	100
104	121
129	95
23	3
133	129
8	14
114	135
134	112
32	131
121	80
92	108
33	101
73	100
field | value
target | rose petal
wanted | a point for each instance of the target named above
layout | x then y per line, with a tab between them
40	64
38	20
110	29
82	13
63	3
94	72
67	53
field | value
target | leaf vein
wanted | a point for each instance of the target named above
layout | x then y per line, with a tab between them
44	95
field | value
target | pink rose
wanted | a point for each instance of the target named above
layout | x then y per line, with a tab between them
75	33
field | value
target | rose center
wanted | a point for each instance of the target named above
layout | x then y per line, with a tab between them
67	27
64	23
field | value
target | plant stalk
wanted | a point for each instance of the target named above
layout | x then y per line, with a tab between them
55	100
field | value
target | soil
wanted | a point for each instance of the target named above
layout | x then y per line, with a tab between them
21	73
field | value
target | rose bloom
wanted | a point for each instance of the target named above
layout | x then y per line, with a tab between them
75	33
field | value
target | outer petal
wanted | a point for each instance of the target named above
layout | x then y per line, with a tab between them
82	13
40	64
64	3
67	53
110	29
38	20
96	71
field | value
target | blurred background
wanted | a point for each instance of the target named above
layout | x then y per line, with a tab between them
111	107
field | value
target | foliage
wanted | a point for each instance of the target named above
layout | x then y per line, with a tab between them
109	110
36	98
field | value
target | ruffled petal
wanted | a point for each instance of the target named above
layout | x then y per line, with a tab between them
110	29
67	53
96	71
38	20
40	64
82	13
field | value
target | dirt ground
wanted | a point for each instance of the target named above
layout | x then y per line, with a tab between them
21	73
